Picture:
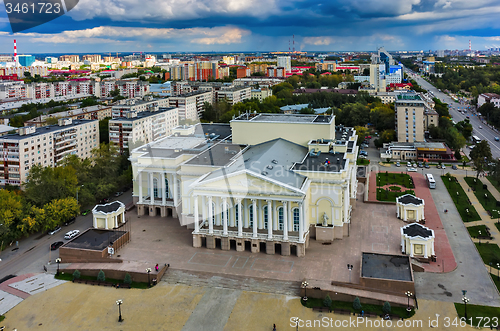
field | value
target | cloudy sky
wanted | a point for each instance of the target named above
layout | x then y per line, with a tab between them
261	25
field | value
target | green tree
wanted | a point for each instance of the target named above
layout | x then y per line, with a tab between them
465	128
327	302
76	274
127	279
46	183
481	155
59	210
386	308
100	276
356	304
104	130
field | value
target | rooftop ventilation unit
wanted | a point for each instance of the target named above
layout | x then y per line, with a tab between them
275	161
264	173
338	160
270	167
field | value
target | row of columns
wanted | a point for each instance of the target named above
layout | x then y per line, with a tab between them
151	187
272	220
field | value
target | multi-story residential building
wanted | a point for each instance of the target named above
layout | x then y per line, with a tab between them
92	58
190	105
25	60
409	109
270	184
129	88
261	81
233	95
243	72
260	68
285	62
138	106
12	89
431	117
70	58
46	146
261	93
327	66
42	71
488	97
386	97
138	128
97	112
276	72
198	71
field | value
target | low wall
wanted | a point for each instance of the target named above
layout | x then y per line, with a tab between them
395	286
337	296
141	277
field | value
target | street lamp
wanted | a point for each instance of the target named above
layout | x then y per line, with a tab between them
58	261
479	236
119	304
148	270
498	271
305	284
77	189
465	300
349	267
409	295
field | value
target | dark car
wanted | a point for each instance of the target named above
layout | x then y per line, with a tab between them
105	200
56	245
70	221
454	167
85	212
427	166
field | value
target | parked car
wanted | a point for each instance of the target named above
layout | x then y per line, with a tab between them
365	153
398	164
497	139
105	200
117	194
454	167
438	166
426	166
56	245
70	221
85	212
414	165
480	127
369	137
412	169
361	156
408	164
443	167
420	165
54	230
71	234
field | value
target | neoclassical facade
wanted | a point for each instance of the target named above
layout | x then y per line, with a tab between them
417	241
267	182
410	208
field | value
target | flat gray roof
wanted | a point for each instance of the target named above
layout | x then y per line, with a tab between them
319	162
95	239
394	267
219	155
142	114
48	129
285	118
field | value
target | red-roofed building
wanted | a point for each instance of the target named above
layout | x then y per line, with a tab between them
400	86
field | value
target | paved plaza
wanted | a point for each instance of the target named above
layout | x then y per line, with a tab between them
184	308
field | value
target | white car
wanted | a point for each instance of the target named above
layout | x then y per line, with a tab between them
71	234
398	164
480	127
443	166
412	169
408	164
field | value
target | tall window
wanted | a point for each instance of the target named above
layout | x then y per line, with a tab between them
236	218
296	219
280	218
155	187
222	214
213	212
250	215
266	217
179	190
166	189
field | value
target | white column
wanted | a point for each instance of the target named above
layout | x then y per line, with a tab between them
275	216
106	222
217	212
210	216
163	189
255	220
261	215
116	221
203	208
140	187
416	215
175	190
224	215
432	249
403	246
151	188
285	220
240	219
301	222
245	213
196	216
405	216
346	203
290	217
123	216
269	220
425	250
397	210
411	249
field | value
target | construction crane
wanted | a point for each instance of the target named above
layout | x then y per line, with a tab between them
117	54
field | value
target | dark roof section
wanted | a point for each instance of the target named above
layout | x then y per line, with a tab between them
318	162
223	131
95	239
417	230
408	198
109	207
394	267
218	155
350	146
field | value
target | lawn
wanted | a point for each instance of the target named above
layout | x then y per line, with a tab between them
384	178
490	253
386	195
69	277
477	313
498	226
467	211
494	183
474	230
496	281
484	196
401	311
363	162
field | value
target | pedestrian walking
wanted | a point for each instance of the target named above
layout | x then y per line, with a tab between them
156	267
274	327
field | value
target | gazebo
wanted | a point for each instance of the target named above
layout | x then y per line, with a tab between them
410	208
109	216
417	240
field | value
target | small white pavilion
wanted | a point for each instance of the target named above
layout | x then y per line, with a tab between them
410	208
109	216
417	240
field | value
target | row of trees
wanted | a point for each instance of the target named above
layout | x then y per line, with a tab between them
50	195
472	79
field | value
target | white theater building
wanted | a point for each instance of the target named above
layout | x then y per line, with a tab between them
267	182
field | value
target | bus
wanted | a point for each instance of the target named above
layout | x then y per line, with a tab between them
476	140
430	180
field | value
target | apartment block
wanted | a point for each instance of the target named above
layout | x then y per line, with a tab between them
69	58
409	109
276	72
285	62
97	112
12	89
46	146
138	128
42	71
190	105
233	95
129	88
261	93
488	97
92	58
138	106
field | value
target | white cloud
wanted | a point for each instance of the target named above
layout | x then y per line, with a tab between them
318	40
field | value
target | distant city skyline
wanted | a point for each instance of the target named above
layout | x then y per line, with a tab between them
261	26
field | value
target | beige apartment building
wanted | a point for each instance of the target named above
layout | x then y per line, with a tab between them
269	182
409	109
93	58
69	58
261	93
190	105
138	128
97	112
233	95
136	106
46	146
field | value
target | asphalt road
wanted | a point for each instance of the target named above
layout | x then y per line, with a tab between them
486	133
33	253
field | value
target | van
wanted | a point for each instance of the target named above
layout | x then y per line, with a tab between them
71	234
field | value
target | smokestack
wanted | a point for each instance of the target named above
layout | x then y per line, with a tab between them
15	54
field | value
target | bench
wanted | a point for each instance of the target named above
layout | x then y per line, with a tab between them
123	285
321	309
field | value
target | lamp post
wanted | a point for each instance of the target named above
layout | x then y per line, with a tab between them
148	270
77	189
498	271
119	304
349	267
58	261
305	284
479	236
465	300
409	295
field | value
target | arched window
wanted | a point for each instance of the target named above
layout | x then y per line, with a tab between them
167	195
280	218
296	219
266	217
155	187
250	215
